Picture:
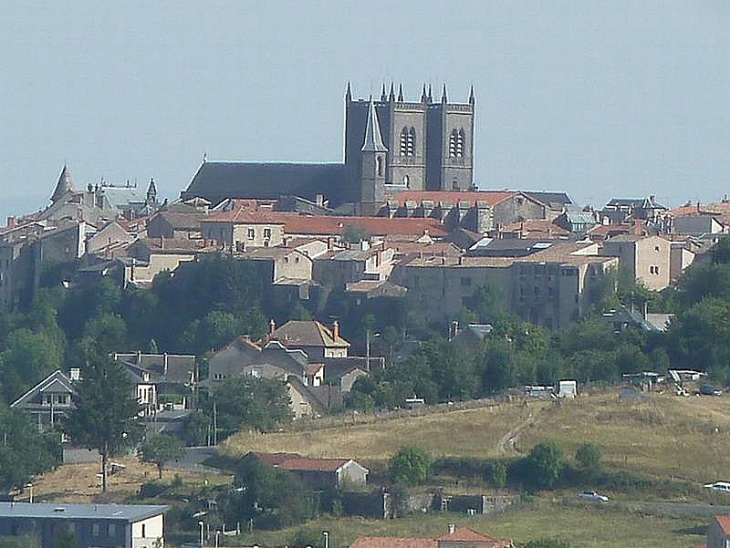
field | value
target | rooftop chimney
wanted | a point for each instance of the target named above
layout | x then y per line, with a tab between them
164	363
452	528
272	326
11	222
336	330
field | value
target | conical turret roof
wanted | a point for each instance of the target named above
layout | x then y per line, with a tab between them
373	137
63	185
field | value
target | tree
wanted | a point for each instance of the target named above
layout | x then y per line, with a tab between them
24	451
105	416
588	456
27	359
247	401
160	450
409	466
544	465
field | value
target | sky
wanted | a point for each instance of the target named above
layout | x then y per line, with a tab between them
595	98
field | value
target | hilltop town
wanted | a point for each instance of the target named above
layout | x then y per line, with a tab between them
233	358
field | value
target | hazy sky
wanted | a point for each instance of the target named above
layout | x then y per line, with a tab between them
595	98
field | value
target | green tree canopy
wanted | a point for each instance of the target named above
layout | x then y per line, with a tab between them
409	466
250	402
105	414
588	456
160	450
543	465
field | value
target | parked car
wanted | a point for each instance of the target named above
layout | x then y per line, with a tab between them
723	486
708	390
592	495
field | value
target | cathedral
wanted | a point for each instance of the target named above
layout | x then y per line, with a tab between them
391	145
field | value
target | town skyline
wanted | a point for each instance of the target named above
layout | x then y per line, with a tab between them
595	101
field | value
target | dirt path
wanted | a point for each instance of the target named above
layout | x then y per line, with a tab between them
506	444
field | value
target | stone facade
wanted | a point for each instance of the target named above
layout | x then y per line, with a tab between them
647	258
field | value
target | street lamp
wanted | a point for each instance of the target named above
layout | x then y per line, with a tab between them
30	497
326	536
201	525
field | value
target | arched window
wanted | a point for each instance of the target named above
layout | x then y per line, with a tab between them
379	161
457	144
408	142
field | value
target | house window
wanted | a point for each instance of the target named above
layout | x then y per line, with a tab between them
267	233
251	233
144	532
62	399
95	529
112	529
380	166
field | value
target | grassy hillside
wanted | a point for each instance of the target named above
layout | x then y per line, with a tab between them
662	435
585	527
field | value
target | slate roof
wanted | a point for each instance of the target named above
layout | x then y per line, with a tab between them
307	333
63	185
56	382
184	220
549	198
179	366
127	512
216	181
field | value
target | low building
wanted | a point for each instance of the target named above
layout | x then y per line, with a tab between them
168	380
718	533
93	525
462	537
315	339
317	473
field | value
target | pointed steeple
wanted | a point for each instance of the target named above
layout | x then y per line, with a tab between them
424	97
63	185
383	93
373	137
391	95
151	193
471	95
444	98
400	92
348	93
430	95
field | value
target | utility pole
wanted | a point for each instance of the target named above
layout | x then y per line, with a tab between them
215	423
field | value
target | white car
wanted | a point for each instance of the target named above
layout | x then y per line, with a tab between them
592	495
719	486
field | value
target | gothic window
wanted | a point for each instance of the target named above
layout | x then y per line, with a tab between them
380	166
408	141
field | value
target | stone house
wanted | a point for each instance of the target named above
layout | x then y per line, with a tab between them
315	339
646	258
177	225
170	378
240	229
317	473
244	357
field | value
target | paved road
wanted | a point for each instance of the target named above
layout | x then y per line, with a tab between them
193	460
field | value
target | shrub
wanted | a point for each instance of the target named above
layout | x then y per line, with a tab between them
409	466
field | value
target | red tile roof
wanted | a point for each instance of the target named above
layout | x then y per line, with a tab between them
724	522
394	542
465	534
491	197
303	464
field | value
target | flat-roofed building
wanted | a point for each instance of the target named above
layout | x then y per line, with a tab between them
93	525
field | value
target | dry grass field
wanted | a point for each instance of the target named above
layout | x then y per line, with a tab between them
661	435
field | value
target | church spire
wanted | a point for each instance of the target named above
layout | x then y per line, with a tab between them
63	185
373	137
151	193
383	93
391	95
348	93
400	93
471	95
444	98
424	97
